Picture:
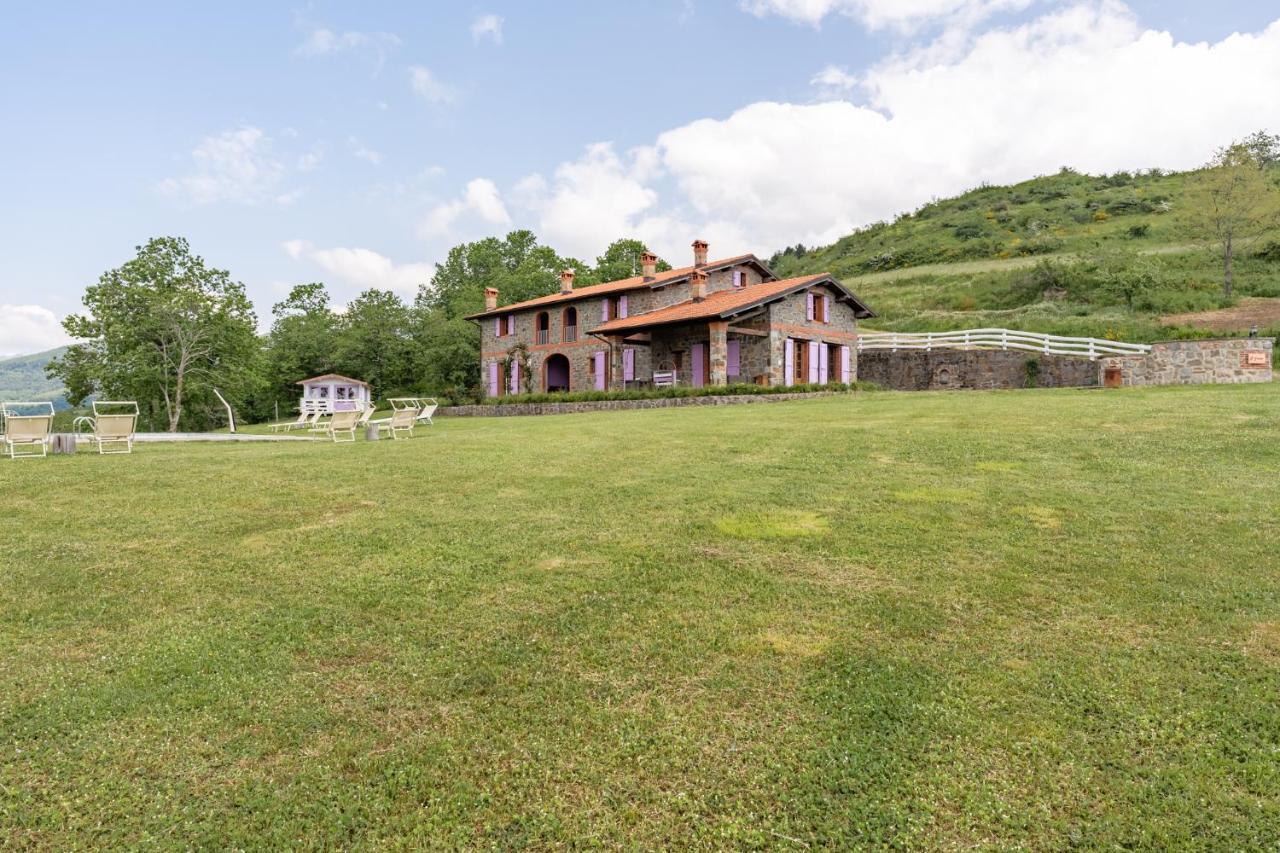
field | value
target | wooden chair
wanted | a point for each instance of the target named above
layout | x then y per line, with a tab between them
664	379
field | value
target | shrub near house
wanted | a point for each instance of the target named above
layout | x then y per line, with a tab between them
708	324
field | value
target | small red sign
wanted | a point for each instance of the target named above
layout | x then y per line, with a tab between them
1255	358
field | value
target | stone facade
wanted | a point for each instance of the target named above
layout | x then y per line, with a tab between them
759	337
1193	363
949	369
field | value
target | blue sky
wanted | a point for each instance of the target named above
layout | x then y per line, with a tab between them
354	143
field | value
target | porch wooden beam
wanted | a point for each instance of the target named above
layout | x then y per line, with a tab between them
743	330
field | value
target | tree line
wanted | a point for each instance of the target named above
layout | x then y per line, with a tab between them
166	329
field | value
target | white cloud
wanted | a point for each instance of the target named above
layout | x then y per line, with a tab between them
881	14
429	87
29	328
487	27
234	166
364	152
1083	86
311	159
362	268
833	80
480	200
322	41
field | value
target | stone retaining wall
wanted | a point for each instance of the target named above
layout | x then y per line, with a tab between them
500	410
1227	360
943	369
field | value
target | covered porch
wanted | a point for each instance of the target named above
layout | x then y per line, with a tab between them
332	392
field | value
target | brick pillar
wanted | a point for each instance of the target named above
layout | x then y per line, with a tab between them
718	357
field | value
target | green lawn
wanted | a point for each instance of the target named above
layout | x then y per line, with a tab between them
1039	618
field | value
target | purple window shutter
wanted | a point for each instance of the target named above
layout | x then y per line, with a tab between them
628	364
813	360
493	379
599	370
808	306
824	364
497	327
826	308
604	310
737	278
622	308
515	376
697	365
844	364
789	363
511	324
734	360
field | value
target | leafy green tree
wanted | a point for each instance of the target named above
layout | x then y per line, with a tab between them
164	329
622	260
302	342
1232	202
374	342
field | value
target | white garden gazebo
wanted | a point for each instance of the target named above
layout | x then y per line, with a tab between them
333	393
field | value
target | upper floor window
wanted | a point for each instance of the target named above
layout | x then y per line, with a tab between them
542	328
504	325
819	307
739	278
613	308
569	324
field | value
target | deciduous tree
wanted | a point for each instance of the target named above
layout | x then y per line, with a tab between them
1233	201
163	329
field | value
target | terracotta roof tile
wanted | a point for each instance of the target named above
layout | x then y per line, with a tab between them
619	286
718	304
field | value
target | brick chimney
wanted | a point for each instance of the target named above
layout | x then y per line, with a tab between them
566	281
649	265
699	253
698	285
490	298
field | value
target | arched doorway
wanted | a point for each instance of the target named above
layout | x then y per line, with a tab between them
555	373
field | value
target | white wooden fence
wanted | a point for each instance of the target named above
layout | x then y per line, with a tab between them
1006	339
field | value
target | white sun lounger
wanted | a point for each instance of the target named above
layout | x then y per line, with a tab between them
343	423
112	429
30	431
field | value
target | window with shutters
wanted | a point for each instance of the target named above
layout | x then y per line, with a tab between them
819	308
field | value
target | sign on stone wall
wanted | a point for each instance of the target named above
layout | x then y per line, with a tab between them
1255	358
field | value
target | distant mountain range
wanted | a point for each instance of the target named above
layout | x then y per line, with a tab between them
22	378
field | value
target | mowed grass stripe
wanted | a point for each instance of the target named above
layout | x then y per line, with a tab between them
1022	618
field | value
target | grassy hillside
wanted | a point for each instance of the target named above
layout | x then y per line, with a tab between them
858	622
1052	254
23	378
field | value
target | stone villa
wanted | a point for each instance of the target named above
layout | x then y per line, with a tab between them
712	323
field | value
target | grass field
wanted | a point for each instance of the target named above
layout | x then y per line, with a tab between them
1040	619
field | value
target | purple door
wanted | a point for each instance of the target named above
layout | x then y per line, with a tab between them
699	359
814	346
628	365
789	363
734	366
493	379
844	365
599	370
824	363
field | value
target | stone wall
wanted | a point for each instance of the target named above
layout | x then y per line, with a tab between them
1227	360
915	370
499	410
788	318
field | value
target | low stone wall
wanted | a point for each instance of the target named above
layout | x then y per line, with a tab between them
501	410
918	370
1227	360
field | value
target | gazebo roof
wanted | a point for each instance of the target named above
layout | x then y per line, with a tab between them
333	377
